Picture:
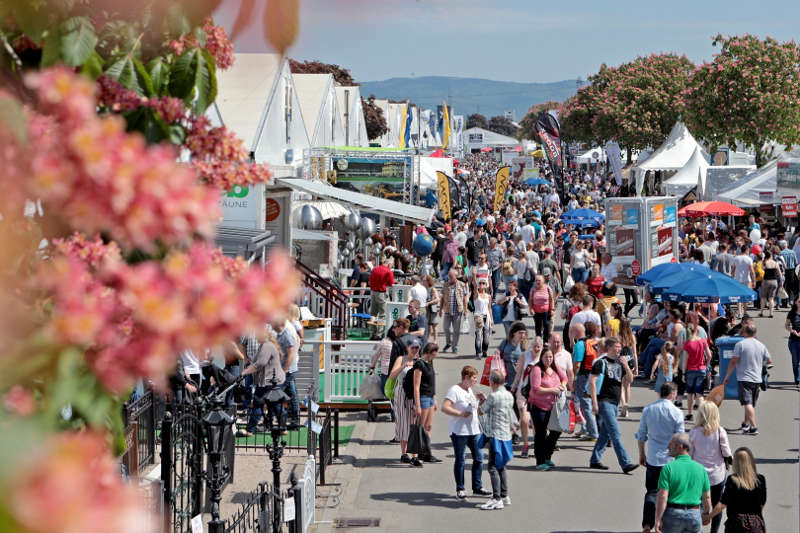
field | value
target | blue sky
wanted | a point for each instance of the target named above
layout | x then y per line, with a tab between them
514	40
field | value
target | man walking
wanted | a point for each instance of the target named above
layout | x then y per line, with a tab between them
660	420
453	305
605	386
495	257
790	263
749	358
682	487
743	272
380	279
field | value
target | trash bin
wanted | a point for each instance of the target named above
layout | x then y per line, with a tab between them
394	310
725	346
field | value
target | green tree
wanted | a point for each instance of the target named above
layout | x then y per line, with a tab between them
374	120
340	74
749	92
502	125
477	120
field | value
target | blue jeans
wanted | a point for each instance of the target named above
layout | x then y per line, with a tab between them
460	445
496	279
445	270
425	402
585	402
794	349
579	275
681	521
609	430
290	389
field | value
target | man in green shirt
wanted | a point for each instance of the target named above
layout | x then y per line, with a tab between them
682	486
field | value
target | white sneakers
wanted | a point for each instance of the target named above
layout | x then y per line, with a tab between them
507	500
493	504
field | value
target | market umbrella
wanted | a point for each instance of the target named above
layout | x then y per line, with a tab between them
713	288
663	269
715	209
582	213
582	222
684	211
689	272
486	149
536	181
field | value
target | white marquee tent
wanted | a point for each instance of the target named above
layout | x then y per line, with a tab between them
320	108
428	167
674	152
746	192
687	176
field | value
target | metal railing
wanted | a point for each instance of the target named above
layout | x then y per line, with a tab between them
143	413
326	439
255	514
294	438
346	365
325	299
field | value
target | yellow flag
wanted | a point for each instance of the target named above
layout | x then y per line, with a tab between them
500	186
444	194
401	138
446	129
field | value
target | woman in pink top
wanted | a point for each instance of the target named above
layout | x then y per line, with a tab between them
547	382
698	354
544	306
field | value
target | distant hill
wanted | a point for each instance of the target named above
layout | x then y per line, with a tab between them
470	95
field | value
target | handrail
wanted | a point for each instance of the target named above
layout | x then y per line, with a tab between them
335	301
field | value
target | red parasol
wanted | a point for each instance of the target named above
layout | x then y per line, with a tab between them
684	211
437	153
487	149
714	208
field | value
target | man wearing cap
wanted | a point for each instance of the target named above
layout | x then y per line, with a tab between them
547	263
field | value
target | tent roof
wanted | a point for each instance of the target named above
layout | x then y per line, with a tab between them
490	137
687	176
311	90
674	152
744	192
413	213
243	93
587	155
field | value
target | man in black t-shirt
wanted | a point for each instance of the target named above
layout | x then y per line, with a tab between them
615	371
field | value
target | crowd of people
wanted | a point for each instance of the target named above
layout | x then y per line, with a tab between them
521	268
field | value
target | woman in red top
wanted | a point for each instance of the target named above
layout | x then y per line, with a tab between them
548	381
595	282
544	306
698	354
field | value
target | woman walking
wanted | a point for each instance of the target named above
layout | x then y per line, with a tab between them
698	354
483	318
744	496
663	366
498	408
710	448
432	308
425	393
793	327
628	350
544	306
578	263
769	286
462	406
403	405
547	382
529	358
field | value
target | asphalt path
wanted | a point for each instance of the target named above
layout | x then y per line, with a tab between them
570	498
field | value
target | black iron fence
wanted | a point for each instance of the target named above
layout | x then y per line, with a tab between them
181	466
255	514
325	444
143	416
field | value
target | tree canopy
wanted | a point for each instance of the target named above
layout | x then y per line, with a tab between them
373	118
502	125
477	120
340	74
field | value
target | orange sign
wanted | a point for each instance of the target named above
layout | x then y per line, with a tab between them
273	209
616	214
658	213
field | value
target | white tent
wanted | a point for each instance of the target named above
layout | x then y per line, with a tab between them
674	152
477	138
320	108
592	156
428	167
352	115
687	176
746	192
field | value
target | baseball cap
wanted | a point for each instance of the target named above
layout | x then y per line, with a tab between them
413	342
548	250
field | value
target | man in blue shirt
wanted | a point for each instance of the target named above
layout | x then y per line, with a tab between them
660	420
790	263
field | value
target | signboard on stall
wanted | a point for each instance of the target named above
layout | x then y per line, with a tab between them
789	206
656	214
765	197
245	207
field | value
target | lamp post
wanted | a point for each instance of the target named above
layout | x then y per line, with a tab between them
274	399
216	423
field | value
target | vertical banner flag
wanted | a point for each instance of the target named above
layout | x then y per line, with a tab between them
500	186
549	130
446	128
401	138
614	160
443	186
440	123
409	121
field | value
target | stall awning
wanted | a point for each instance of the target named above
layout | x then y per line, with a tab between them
372	204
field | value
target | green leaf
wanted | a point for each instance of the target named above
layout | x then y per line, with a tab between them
143	78
13	119
31	21
206	82
51	50
148	123
177	134
78	40
124	71
93	67
159	75
183	74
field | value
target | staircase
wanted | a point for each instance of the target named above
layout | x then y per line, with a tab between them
325	300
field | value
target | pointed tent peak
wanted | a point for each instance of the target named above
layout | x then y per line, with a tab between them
698	159
674	152
692	173
311	91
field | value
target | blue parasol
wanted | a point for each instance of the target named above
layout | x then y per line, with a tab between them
582	213
661	270
536	181
713	288
691	271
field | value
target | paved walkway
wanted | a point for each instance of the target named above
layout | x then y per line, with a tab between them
571	498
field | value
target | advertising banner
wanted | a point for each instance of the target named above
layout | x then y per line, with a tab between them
670	215
656	214
548	129
500	186
443	187
789	206
614	160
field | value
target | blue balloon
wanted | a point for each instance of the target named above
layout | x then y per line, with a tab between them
423	244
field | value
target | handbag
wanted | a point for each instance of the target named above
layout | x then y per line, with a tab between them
568	283
728	459
419	442
559	415
371	388
493	363
388	389
782	294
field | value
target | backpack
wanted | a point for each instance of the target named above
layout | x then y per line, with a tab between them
590	353
508	268
600	378
408	383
